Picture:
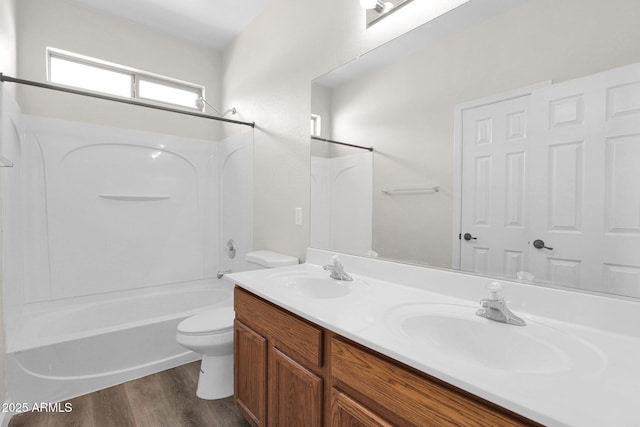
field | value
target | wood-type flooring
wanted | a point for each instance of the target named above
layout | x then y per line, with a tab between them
165	399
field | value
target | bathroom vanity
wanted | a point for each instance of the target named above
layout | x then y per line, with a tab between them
292	372
402	345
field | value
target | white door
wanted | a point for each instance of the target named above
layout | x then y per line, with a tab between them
585	143
493	236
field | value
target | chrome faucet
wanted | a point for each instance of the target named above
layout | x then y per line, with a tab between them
495	308
337	270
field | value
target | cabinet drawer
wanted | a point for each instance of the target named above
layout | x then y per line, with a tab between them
414	399
291	334
346	412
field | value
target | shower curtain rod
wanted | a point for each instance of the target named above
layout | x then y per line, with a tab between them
330	141
5	78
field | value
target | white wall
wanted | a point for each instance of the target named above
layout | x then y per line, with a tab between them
7	66
267	75
65	25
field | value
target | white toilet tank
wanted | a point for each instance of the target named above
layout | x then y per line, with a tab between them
257	260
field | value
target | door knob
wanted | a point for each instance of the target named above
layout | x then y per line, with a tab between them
468	236
539	244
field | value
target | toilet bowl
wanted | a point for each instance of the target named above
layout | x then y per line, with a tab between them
210	333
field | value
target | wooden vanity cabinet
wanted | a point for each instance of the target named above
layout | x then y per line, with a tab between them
278	374
291	373
403	396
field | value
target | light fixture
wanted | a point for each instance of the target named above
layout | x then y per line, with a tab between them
378	9
378	5
200	103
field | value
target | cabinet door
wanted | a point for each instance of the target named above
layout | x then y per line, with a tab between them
250	374
346	412
295	393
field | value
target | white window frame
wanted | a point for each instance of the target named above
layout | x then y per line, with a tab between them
136	76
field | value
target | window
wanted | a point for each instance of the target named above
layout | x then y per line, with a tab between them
91	74
157	90
316	123
88	77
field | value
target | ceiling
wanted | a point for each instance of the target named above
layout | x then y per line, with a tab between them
212	23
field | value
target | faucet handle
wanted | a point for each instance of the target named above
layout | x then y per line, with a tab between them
332	262
495	290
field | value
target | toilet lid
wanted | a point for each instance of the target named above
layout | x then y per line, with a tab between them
270	259
216	320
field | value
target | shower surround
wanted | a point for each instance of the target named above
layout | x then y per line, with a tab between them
111	237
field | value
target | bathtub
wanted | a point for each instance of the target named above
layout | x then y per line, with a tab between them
62	349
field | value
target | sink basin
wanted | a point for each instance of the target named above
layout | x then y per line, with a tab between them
454	334
310	284
319	288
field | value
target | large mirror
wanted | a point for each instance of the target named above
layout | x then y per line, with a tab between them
506	139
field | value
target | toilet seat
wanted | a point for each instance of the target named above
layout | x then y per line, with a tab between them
212	322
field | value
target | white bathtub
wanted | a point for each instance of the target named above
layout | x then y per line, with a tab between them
63	349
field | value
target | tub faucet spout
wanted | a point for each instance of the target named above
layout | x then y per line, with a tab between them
221	274
337	269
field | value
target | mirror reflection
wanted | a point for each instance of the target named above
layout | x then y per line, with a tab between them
506	138
341	197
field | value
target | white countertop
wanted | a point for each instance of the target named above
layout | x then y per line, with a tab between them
601	387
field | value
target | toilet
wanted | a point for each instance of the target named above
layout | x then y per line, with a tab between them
210	333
